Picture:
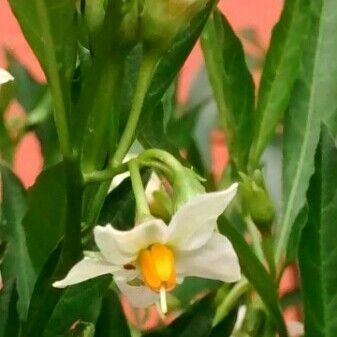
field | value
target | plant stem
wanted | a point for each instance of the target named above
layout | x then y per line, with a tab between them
255	237
104	175
230	300
54	81
143	210
144	79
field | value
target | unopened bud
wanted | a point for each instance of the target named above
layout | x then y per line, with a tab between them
162	20
256	200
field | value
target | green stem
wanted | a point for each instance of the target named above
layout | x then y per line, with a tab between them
255	237
230	300
144	79
143	210
54	81
169	160
268	249
104	175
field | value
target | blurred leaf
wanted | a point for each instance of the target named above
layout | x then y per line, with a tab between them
9	320
318	253
225	327
193	286
232	84
151	133
44	297
280	72
255	273
80	302
28	92
82	329
196	321
291	298
309	104
16	264
119	206
112	321
44	221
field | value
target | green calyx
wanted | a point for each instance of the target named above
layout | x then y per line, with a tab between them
256	200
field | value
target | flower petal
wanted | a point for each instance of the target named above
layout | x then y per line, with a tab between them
215	260
193	224
84	270
5	76
129	243
110	249
138	296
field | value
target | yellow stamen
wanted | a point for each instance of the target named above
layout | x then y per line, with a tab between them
158	268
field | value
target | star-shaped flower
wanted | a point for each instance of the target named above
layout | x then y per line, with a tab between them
153	257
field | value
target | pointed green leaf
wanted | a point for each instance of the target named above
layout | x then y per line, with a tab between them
232	84
16	264
44	221
310	103
318	252
280	72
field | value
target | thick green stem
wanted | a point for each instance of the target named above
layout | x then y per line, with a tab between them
230	300
54	81
144	79
143	210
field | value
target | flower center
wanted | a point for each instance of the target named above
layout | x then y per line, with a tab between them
158	270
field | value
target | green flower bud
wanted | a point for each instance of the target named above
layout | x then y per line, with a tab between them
161	205
161	20
256	200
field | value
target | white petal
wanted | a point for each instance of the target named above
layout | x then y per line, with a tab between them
295	328
215	260
193	224
84	270
105	240
5	76
139	296
129	243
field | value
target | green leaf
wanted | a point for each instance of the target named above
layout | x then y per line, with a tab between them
175	57
50	28
225	327
255	273
81	302
27	90
318	253
9	320
279	72
232	84
16	264
310	103
112	321
119	206
44	297
196	321
44	221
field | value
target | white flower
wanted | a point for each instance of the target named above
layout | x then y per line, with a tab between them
152	258
5	76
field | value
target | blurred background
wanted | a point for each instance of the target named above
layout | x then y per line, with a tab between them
252	20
